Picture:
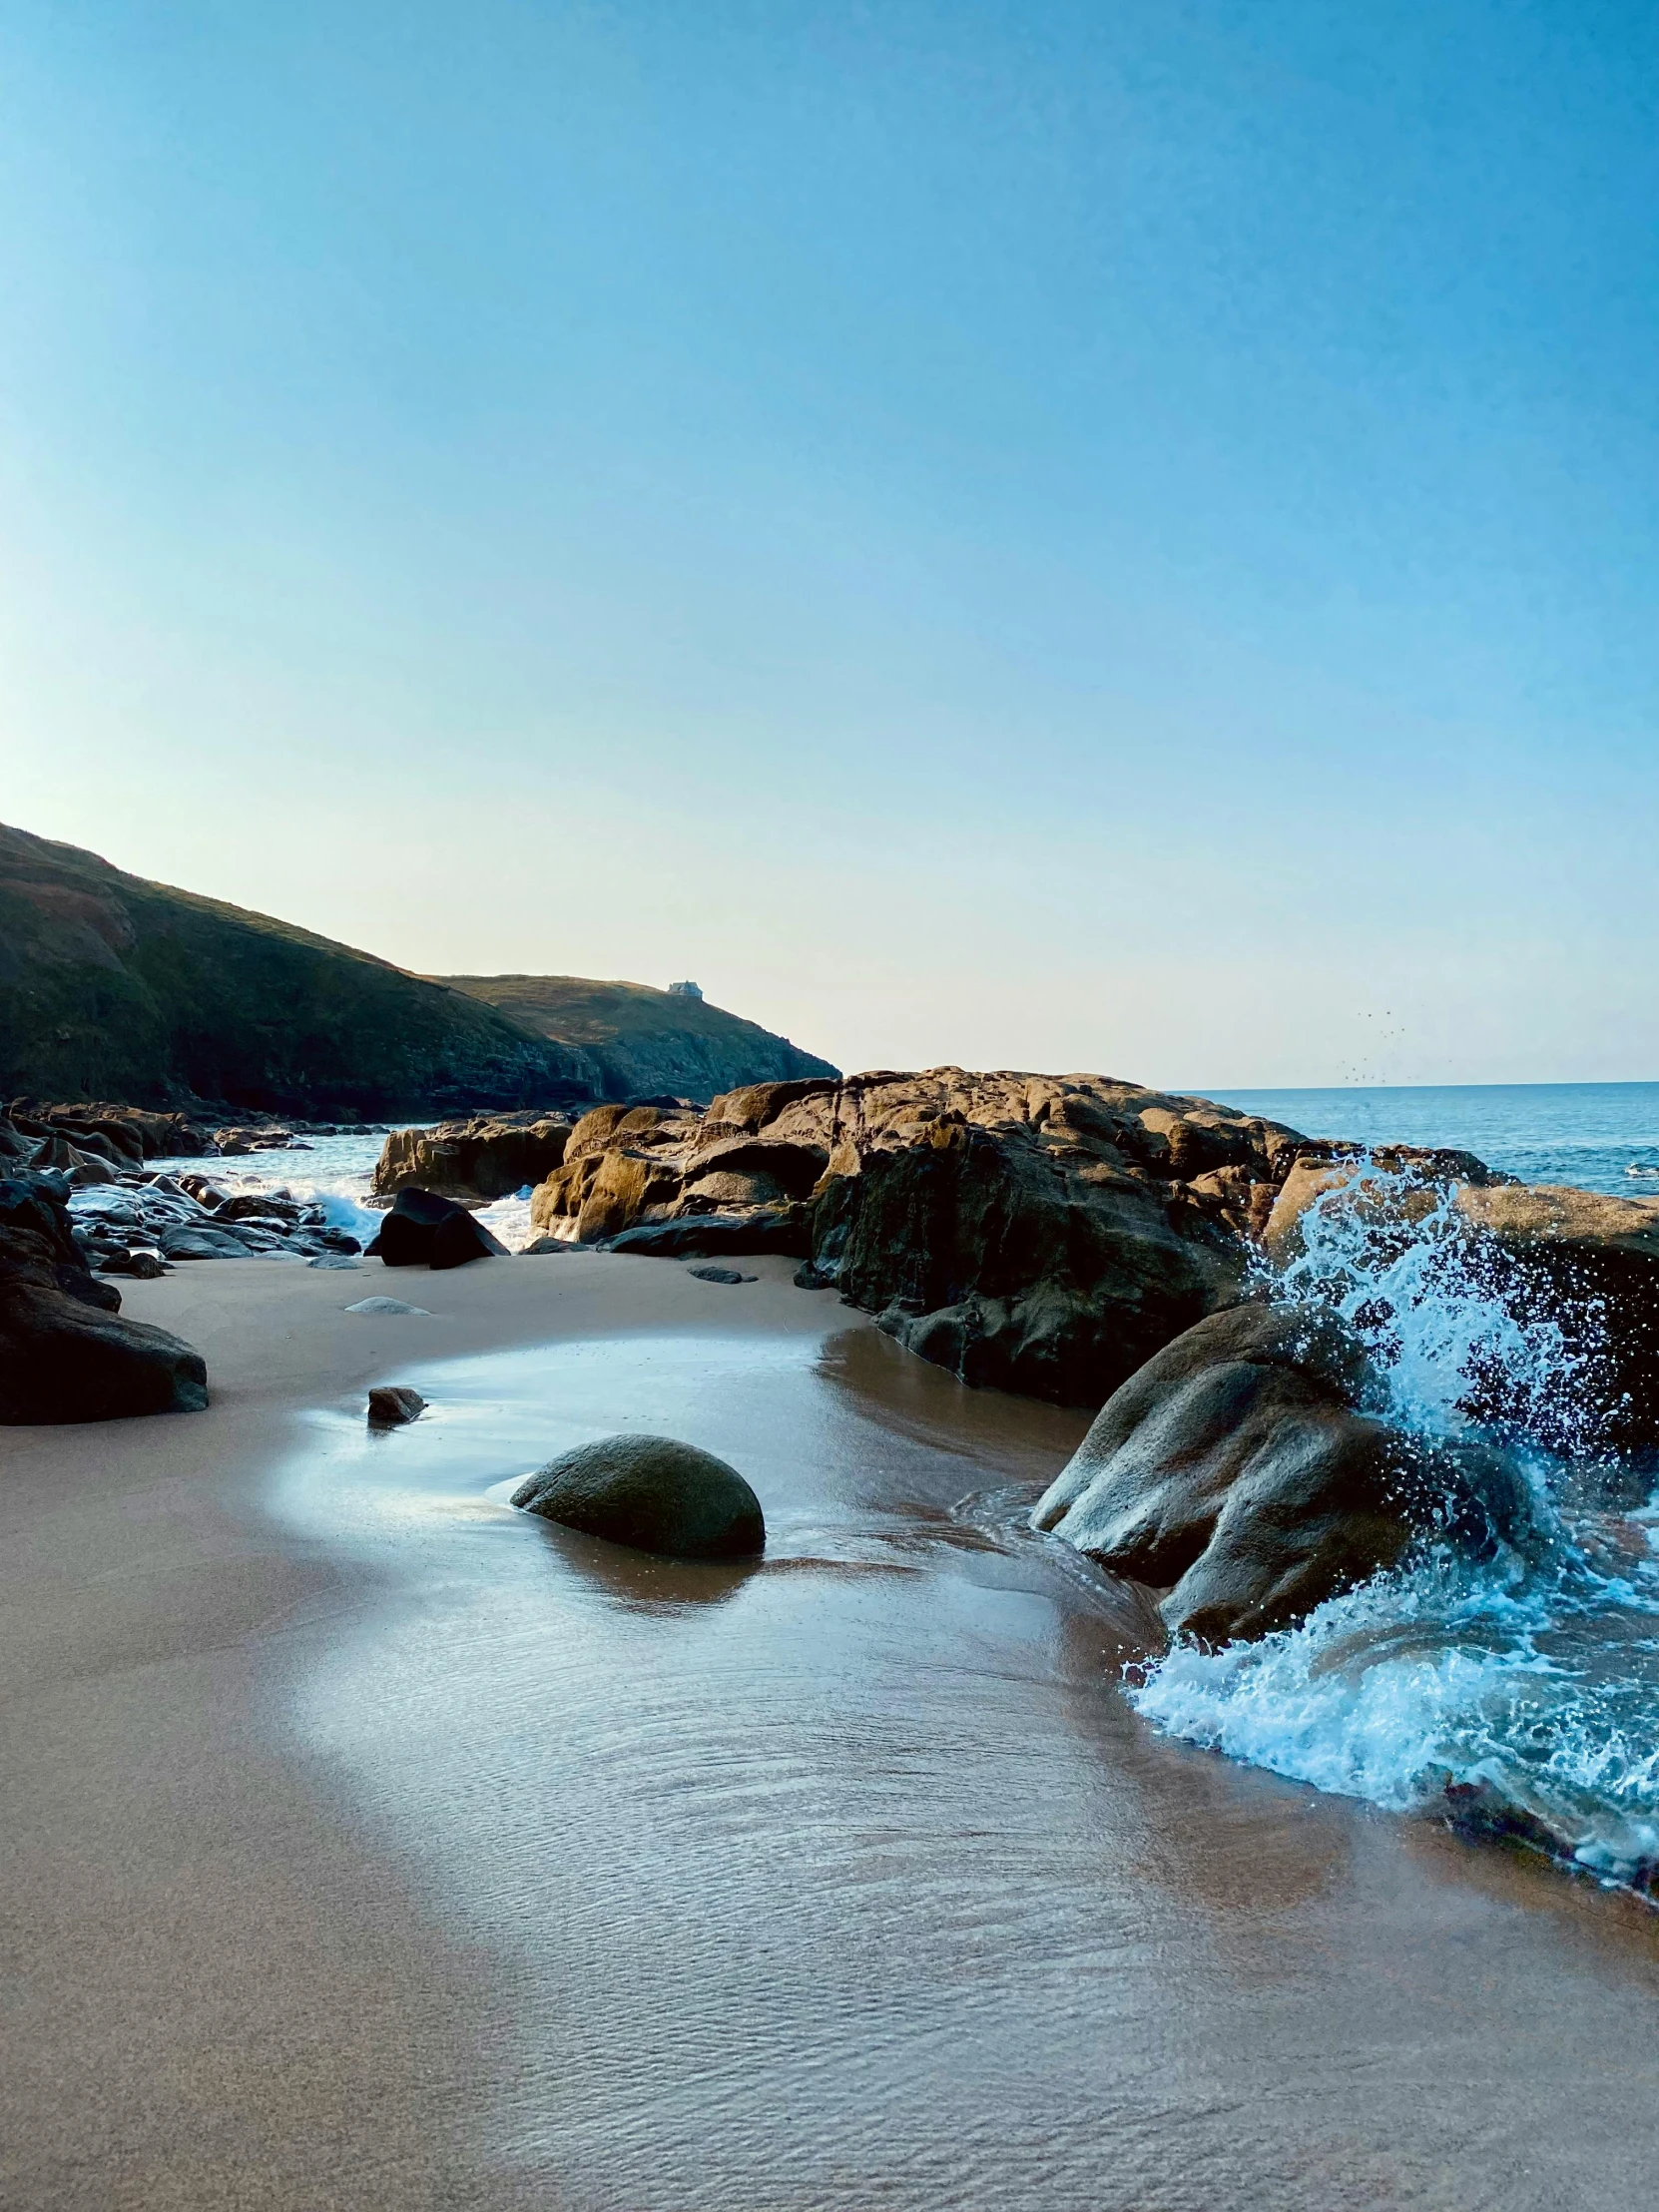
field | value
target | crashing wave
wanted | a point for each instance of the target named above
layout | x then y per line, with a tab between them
1516	1697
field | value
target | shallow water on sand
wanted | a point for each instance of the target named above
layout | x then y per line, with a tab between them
851	1879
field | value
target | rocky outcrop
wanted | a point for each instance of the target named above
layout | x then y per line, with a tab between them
1043	1234
1242	1467
62	1361
135	1221
425	1230
651	1494
36	1233
787	1231
1052	1234
634	1042
66	1351
621	1165
125	1136
483	1158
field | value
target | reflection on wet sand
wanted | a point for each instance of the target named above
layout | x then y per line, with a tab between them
851	1879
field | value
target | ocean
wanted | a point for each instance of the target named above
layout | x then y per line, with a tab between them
1599	1136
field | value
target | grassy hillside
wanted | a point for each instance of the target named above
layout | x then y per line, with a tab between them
642	1040
114	987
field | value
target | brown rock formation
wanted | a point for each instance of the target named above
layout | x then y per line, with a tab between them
1240	1466
484	1157
1044	1234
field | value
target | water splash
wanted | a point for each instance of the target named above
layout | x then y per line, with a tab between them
1461	1332
1517	1697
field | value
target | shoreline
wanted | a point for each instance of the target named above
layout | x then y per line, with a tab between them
251	1968
183	1889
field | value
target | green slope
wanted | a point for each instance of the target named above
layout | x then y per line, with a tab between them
641	1040
114	987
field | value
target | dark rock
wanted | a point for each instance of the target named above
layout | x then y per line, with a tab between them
990	1257
462	1238
809	1278
402	1241
653	1493
141	1262
393	1406
91	1172
188	1242
36	1235
134	1132
785	1230
74	1159
257	1206
423	1230
15	1148
543	1248
721	1274
64	1360
1242	1467
36	1206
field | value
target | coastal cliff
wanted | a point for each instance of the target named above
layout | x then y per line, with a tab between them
637	1043
116	988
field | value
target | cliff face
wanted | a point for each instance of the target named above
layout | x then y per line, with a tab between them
114	987
638	1042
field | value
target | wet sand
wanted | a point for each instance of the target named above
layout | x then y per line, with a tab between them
371	1844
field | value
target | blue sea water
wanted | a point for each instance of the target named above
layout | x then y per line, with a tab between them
1599	1136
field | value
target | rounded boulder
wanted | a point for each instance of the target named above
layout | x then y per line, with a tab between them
650	1492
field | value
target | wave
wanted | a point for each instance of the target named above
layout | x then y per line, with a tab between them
1518	1697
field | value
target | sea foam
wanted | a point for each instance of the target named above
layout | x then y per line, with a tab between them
1521	1695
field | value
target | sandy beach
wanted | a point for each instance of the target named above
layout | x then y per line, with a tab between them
371	1844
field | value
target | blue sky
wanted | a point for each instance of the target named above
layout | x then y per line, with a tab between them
1118	536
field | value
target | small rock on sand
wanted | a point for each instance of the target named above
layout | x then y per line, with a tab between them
393	1406
387	1306
650	1492
720	1274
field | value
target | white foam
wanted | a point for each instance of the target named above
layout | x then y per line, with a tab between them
1529	1688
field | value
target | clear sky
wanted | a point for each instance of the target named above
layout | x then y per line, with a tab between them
1116	537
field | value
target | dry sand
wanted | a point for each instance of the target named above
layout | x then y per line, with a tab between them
850	1884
